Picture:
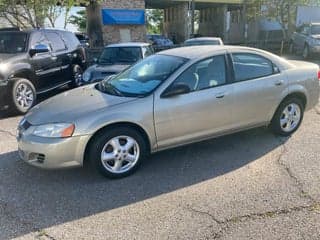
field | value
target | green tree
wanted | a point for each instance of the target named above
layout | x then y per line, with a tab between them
154	21
30	13
80	20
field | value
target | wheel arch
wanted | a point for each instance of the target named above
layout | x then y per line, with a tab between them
134	126
23	73
295	94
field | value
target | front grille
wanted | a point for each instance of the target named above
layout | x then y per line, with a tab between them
41	158
108	73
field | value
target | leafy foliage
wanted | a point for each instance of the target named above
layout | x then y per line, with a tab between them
80	20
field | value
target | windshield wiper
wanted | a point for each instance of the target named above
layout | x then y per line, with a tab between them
108	87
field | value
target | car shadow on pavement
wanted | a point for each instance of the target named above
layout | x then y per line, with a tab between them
33	199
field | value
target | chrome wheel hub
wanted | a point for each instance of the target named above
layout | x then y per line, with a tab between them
120	154
24	95
290	117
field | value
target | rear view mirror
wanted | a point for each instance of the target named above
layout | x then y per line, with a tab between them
176	89
39	48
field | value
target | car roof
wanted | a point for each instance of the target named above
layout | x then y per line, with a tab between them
193	52
199	52
129	44
203	39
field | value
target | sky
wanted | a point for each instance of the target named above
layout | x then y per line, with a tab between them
60	20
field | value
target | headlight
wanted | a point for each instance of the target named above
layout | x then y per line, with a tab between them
55	130
86	76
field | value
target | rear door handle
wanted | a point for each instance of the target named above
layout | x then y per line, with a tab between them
220	95
279	83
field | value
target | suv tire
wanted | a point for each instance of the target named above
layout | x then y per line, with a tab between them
23	95
76	76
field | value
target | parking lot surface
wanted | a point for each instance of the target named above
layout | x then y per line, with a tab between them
249	185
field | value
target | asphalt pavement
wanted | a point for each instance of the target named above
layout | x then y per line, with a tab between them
249	185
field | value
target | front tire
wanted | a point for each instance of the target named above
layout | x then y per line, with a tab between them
117	152
288	117
23	95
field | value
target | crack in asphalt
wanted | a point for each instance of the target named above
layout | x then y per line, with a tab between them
8	132
225	224
43	235
291	174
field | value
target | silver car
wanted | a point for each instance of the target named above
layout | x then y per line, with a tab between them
169	99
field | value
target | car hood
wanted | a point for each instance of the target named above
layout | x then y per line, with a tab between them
109	69
7	56
71	105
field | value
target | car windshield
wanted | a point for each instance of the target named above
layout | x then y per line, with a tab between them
202	42
142	78
120	55
13	42
315	30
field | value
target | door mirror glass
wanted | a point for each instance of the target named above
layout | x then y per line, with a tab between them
39	48
176	89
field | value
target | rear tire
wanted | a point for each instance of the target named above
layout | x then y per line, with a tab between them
117	152
306	52
76	76
23	95
291	48
288	117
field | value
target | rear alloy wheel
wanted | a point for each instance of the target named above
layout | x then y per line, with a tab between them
117	152
288	117
306	52
23	95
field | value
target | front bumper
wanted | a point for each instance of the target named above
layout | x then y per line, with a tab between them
52	153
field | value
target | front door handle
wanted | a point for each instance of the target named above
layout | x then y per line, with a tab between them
279	83
54	58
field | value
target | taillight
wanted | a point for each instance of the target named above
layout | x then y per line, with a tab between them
319	75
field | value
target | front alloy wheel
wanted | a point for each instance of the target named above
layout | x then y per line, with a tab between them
117	152
23	95
120	154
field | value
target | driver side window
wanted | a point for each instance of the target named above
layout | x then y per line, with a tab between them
207	73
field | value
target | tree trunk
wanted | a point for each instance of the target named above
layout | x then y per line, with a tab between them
94	24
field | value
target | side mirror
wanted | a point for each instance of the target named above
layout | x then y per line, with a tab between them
95	60
176	89
39	48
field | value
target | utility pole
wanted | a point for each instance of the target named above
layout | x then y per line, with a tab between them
193	6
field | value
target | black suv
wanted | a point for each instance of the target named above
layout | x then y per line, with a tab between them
36	61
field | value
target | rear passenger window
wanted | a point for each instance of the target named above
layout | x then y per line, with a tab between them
56	42
251	66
